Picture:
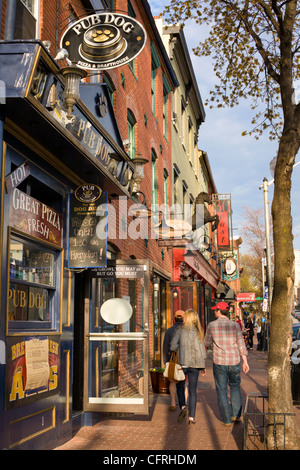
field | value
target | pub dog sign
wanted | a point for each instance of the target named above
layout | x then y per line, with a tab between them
104	40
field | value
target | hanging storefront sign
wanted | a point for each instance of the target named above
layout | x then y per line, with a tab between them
229	267
88	227
223	210
104	41
245	297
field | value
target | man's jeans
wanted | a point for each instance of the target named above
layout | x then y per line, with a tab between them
224	376
192	374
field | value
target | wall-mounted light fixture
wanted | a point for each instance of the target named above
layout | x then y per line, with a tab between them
191	250
114	162
140	209
186	271
139	163
175	293
72	75
204	242
155	282
162	229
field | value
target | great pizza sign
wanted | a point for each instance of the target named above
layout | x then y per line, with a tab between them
104	41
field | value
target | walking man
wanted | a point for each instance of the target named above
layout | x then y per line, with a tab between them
225	339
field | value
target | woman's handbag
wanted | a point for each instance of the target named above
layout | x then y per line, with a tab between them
173	370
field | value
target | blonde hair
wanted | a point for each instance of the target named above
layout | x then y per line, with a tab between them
191	318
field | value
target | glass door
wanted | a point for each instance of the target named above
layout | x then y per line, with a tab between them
116	338
182	295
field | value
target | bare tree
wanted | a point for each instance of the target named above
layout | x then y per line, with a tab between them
251	276
255	48
253	231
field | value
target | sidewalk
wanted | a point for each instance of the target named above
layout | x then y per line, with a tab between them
160	430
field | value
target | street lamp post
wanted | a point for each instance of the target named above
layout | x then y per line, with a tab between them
265	187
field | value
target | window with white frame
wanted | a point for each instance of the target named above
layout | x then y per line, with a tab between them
155	63
154	186
166	193
131	122
27	19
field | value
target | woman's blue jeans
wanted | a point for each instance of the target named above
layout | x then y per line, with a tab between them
224	376
192	374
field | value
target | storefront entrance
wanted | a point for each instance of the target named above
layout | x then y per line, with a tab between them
183	295
115	338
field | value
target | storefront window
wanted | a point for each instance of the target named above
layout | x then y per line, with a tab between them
31	283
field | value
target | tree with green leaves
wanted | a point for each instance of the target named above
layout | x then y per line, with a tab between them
255	48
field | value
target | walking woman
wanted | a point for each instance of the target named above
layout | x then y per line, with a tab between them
188	341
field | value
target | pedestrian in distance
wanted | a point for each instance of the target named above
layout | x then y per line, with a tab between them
188	341
178	319
250	328
258	333
238	321
225	339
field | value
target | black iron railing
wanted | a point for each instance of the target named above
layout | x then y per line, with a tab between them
259	423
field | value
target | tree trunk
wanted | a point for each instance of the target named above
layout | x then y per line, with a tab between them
279	372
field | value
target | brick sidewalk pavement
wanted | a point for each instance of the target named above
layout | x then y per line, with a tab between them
160	430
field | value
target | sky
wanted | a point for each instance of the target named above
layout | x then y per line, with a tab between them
239	164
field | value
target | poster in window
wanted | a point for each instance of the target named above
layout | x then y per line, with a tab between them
32	369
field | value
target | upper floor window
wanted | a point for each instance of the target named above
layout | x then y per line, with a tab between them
154	186
155	63
166	193
31	5
185	199
108	4
110	87
190	142
131	12
131	133
183	121
166	91
27	16
176	200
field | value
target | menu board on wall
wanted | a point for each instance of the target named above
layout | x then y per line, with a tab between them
88	228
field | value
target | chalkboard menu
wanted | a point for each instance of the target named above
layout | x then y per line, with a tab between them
88	228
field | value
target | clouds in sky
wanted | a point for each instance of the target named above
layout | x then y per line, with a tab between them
239	164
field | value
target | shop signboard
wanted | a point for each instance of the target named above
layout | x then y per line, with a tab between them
245	297
35	218
88	227
223	210
104	40
119	271
229	266
16	177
